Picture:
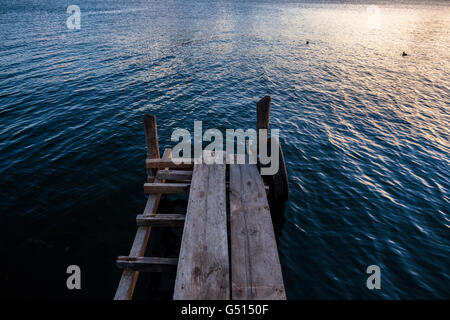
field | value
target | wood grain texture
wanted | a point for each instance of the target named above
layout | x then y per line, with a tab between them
255	266
203	266
129	277
151	140
148	264
174	175
161	220
167	163
164	188
151	136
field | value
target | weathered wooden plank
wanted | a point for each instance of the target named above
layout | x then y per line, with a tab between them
255	265
128	280
151	140
164	188
161	220
203	266
167	163
174	175
266	188
148	264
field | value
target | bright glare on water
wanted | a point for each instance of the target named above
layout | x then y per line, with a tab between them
365	133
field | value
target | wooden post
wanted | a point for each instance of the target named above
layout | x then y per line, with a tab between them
278	183
151	139
262	119
263	113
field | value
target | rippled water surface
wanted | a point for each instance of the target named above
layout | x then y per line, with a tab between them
365	134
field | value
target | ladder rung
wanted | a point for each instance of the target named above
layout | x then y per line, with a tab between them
150	264
166	188
167	163
160	220
174	175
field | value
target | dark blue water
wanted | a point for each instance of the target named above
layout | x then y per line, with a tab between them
365	134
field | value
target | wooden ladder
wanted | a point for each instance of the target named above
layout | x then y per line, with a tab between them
155	187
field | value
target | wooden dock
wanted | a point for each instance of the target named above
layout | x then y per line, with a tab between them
208	267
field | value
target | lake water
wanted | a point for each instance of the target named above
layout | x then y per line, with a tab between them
365	132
